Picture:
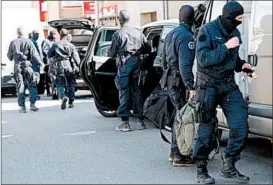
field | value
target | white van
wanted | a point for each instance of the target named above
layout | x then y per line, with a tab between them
256	49
12	18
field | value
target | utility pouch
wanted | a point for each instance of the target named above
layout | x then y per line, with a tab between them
175	79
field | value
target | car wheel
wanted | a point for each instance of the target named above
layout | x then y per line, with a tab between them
111	113
108	113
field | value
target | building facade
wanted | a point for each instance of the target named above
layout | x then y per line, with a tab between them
142	12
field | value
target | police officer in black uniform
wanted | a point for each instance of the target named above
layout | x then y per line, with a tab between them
128	44
64	51
22	51
178	59
217	52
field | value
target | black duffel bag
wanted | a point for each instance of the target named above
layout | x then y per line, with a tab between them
159	109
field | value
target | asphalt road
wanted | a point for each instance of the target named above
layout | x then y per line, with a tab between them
80	146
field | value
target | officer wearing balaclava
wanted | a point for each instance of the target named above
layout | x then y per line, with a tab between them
127	45
217	53
178	57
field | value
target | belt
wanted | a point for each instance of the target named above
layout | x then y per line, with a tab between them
211	79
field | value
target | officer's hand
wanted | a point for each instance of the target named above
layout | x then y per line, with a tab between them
192	94
247	70
232	43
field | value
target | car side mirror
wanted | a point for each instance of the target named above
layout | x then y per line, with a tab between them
252	60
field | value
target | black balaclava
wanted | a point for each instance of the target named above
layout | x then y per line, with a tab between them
124	17
186	15
230	11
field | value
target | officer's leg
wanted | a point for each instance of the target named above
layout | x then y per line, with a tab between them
20	87
47	80
124	98
203	143
177	96
71	90
235	110
54	87
61	85
137	98
32	80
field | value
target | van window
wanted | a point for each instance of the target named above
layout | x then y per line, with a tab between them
261	28
164	33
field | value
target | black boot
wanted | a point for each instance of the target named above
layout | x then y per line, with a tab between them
33	107
64	101
140	124
229	171
180	160
23	109
202	173
70	104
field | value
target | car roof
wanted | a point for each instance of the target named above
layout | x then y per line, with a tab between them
161	23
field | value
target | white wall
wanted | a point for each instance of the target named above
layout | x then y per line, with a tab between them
16	4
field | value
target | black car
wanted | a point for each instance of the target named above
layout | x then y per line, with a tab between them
99	71
8	84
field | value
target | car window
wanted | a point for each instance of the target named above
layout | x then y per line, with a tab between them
151	33
80	32
164	33
103	49
106	35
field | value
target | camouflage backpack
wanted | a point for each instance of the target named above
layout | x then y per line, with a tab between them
185	128
187	122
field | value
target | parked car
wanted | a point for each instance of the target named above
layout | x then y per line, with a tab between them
8	84
100	80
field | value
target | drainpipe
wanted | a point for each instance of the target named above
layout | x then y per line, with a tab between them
167	7
163	3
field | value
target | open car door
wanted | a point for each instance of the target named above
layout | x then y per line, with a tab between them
98	72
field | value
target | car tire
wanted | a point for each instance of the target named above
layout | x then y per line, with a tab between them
107	114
